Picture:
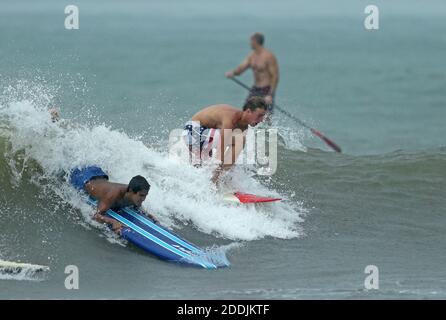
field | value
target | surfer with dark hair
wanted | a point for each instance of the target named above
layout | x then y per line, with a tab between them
221	126
110	195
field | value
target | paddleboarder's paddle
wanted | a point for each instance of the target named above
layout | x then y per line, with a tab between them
317	133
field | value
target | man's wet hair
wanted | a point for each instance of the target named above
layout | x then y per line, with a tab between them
138	183
255	102
259	38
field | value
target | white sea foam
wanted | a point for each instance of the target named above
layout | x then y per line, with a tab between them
22	271
288	134
180	193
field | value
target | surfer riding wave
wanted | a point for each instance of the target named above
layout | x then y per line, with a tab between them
225	124
94	181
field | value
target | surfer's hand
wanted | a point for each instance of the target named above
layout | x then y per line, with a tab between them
153	218
229	74
268	99
117	227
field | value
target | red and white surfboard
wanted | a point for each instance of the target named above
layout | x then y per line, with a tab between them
240	197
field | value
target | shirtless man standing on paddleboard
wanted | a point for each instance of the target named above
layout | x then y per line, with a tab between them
265	69
110	195
222	126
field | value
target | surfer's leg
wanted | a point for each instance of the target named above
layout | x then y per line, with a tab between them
209	141
194	136
233	151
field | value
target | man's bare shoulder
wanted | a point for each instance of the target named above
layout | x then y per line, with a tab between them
269	55
222	107
228	106
226	115
102	188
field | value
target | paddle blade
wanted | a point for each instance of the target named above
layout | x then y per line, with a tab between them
333	145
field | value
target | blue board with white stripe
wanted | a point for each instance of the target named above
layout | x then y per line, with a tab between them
155	239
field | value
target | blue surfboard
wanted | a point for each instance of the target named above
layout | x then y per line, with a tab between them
161	242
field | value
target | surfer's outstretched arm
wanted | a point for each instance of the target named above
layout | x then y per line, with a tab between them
216	176
228	152
151	216
225	142
99	216
240	69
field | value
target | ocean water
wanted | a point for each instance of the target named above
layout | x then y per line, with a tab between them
136	70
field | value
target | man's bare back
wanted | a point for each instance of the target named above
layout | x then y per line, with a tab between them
108	192
220	116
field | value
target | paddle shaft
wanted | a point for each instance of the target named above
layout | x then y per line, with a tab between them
317	133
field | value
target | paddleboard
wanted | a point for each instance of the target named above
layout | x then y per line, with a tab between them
161	242
11	267
240	197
